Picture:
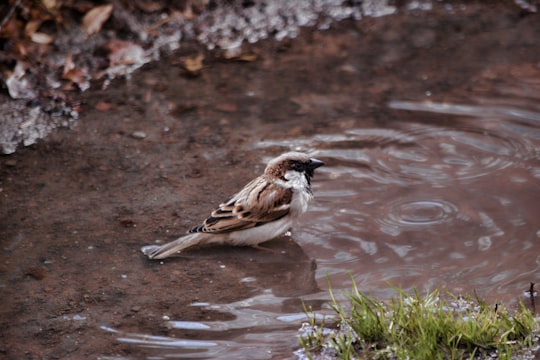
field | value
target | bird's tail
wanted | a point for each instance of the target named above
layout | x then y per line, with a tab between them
166	250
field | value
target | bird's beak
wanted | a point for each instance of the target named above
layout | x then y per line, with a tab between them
314	163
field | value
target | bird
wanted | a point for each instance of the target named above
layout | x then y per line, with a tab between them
264	209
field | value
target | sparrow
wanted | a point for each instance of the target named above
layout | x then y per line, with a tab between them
265	208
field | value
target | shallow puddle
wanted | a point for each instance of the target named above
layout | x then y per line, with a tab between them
448	202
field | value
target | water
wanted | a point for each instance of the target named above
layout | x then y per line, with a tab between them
434	206
449	204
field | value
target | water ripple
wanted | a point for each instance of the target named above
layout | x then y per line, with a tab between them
421	212
482	111
421	153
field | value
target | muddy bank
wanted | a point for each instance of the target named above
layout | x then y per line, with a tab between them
151	156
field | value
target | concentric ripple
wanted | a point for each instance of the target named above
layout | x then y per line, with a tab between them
423	212
403	214
438	156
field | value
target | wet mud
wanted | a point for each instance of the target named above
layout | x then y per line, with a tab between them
150	157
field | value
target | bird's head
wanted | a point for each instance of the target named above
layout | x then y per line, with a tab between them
295	167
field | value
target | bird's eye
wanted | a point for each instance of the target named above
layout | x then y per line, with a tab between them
298	167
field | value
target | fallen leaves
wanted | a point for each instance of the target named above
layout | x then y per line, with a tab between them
52	49
74	74
41	38
54	46
193	65
51	5
31	32
95	18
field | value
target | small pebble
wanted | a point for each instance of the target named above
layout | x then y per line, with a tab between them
138	135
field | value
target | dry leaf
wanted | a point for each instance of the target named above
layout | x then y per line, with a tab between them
75	75
20	48
69	65
239	54
149	6
41	38
95	18
51	5
31	27
248	57
193	65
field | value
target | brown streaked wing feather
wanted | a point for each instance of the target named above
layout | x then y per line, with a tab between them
271	203
258	203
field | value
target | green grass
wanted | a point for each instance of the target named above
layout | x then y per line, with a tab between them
416	327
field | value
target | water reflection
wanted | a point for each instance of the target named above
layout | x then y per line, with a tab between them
261	330
281	278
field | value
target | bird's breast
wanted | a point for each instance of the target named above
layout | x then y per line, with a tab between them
299	202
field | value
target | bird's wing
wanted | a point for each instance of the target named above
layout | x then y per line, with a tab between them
260	202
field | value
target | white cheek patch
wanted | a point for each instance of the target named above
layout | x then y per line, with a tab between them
296	179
